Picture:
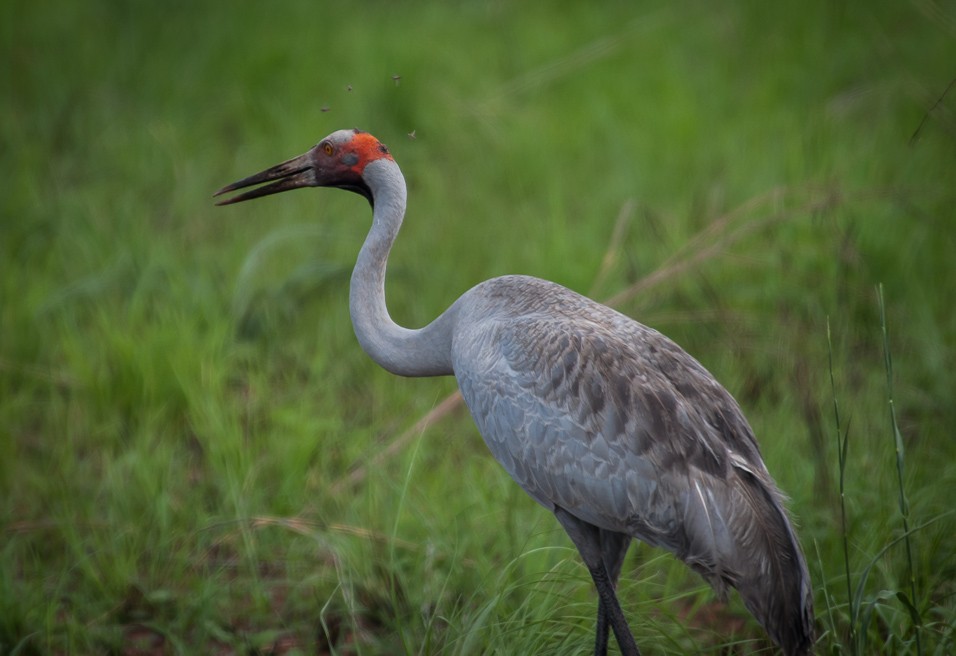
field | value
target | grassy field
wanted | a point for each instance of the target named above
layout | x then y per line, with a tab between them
197	457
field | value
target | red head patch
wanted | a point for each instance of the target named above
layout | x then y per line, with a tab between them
362	149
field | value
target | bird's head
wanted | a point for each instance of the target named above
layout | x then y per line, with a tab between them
339	160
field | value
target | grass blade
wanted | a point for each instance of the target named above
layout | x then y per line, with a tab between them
898	441
843	440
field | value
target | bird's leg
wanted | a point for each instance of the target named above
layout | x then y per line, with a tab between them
613	550
587	539
601	631
610	607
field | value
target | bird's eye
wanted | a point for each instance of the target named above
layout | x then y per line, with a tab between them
327	147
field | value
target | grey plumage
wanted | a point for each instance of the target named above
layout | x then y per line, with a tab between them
604	421
594	413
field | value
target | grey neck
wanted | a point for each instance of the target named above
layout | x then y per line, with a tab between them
402	351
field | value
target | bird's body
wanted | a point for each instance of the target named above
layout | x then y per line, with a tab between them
602	420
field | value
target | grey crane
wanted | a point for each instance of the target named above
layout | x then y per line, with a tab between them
602	420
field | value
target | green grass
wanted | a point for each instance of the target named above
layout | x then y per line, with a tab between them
196	456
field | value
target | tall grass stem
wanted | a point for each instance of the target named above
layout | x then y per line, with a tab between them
898	440
843	439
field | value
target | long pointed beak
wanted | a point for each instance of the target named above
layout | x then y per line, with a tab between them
291	174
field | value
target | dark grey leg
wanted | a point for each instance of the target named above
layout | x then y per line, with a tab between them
587	539
613	550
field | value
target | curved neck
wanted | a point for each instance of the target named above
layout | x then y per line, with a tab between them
422	352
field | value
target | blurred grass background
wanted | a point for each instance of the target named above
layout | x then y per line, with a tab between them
196	456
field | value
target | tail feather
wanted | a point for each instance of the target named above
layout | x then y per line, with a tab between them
776	587
738	534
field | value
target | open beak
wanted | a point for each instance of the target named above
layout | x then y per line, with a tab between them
292	174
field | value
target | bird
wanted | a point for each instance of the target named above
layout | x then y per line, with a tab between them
604	421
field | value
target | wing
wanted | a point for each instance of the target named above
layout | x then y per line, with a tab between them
614	423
